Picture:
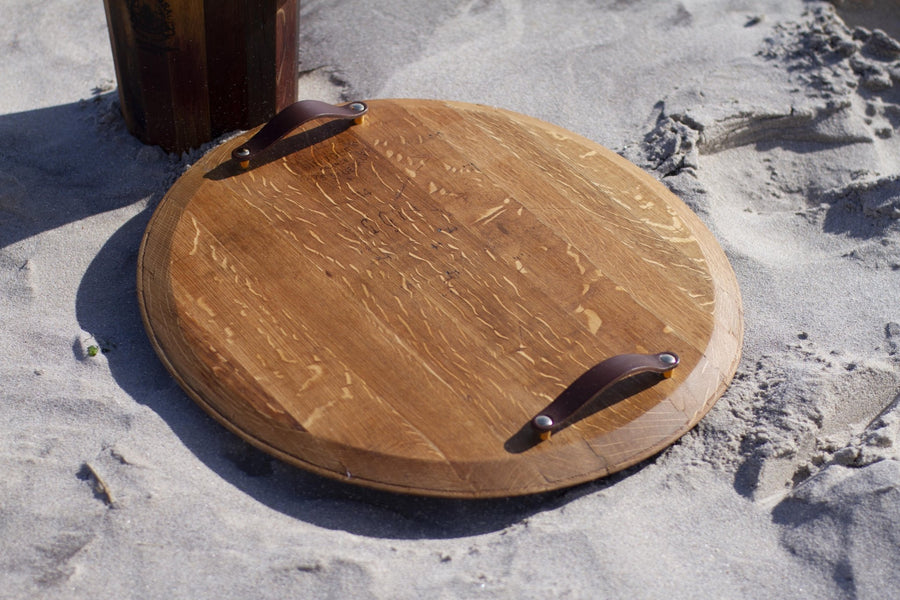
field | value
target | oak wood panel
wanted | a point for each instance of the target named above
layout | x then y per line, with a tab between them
391	303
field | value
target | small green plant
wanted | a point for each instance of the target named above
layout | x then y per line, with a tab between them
93	350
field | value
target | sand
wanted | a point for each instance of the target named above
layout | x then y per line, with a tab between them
775	121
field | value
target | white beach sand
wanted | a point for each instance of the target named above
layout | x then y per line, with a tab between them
775	121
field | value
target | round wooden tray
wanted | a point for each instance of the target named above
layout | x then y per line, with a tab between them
391	303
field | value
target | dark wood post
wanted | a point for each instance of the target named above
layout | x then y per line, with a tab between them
190	70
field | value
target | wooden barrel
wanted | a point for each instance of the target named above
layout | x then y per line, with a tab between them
191	70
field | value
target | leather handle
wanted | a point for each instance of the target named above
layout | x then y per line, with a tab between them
291	118
593	382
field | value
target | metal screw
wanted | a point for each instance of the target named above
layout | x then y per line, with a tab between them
357	106
667	359
242	152
543	421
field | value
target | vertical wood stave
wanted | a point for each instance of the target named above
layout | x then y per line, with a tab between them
191	70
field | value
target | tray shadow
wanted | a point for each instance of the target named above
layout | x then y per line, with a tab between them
64	163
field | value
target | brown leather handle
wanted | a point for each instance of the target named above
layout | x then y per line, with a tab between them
291	118
593	382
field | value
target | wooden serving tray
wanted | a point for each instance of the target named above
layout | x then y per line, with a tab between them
392	303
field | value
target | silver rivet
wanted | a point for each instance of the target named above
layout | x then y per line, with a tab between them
357	106
543	421
667	359
242	152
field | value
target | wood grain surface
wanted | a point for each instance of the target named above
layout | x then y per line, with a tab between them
192	70
390	303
